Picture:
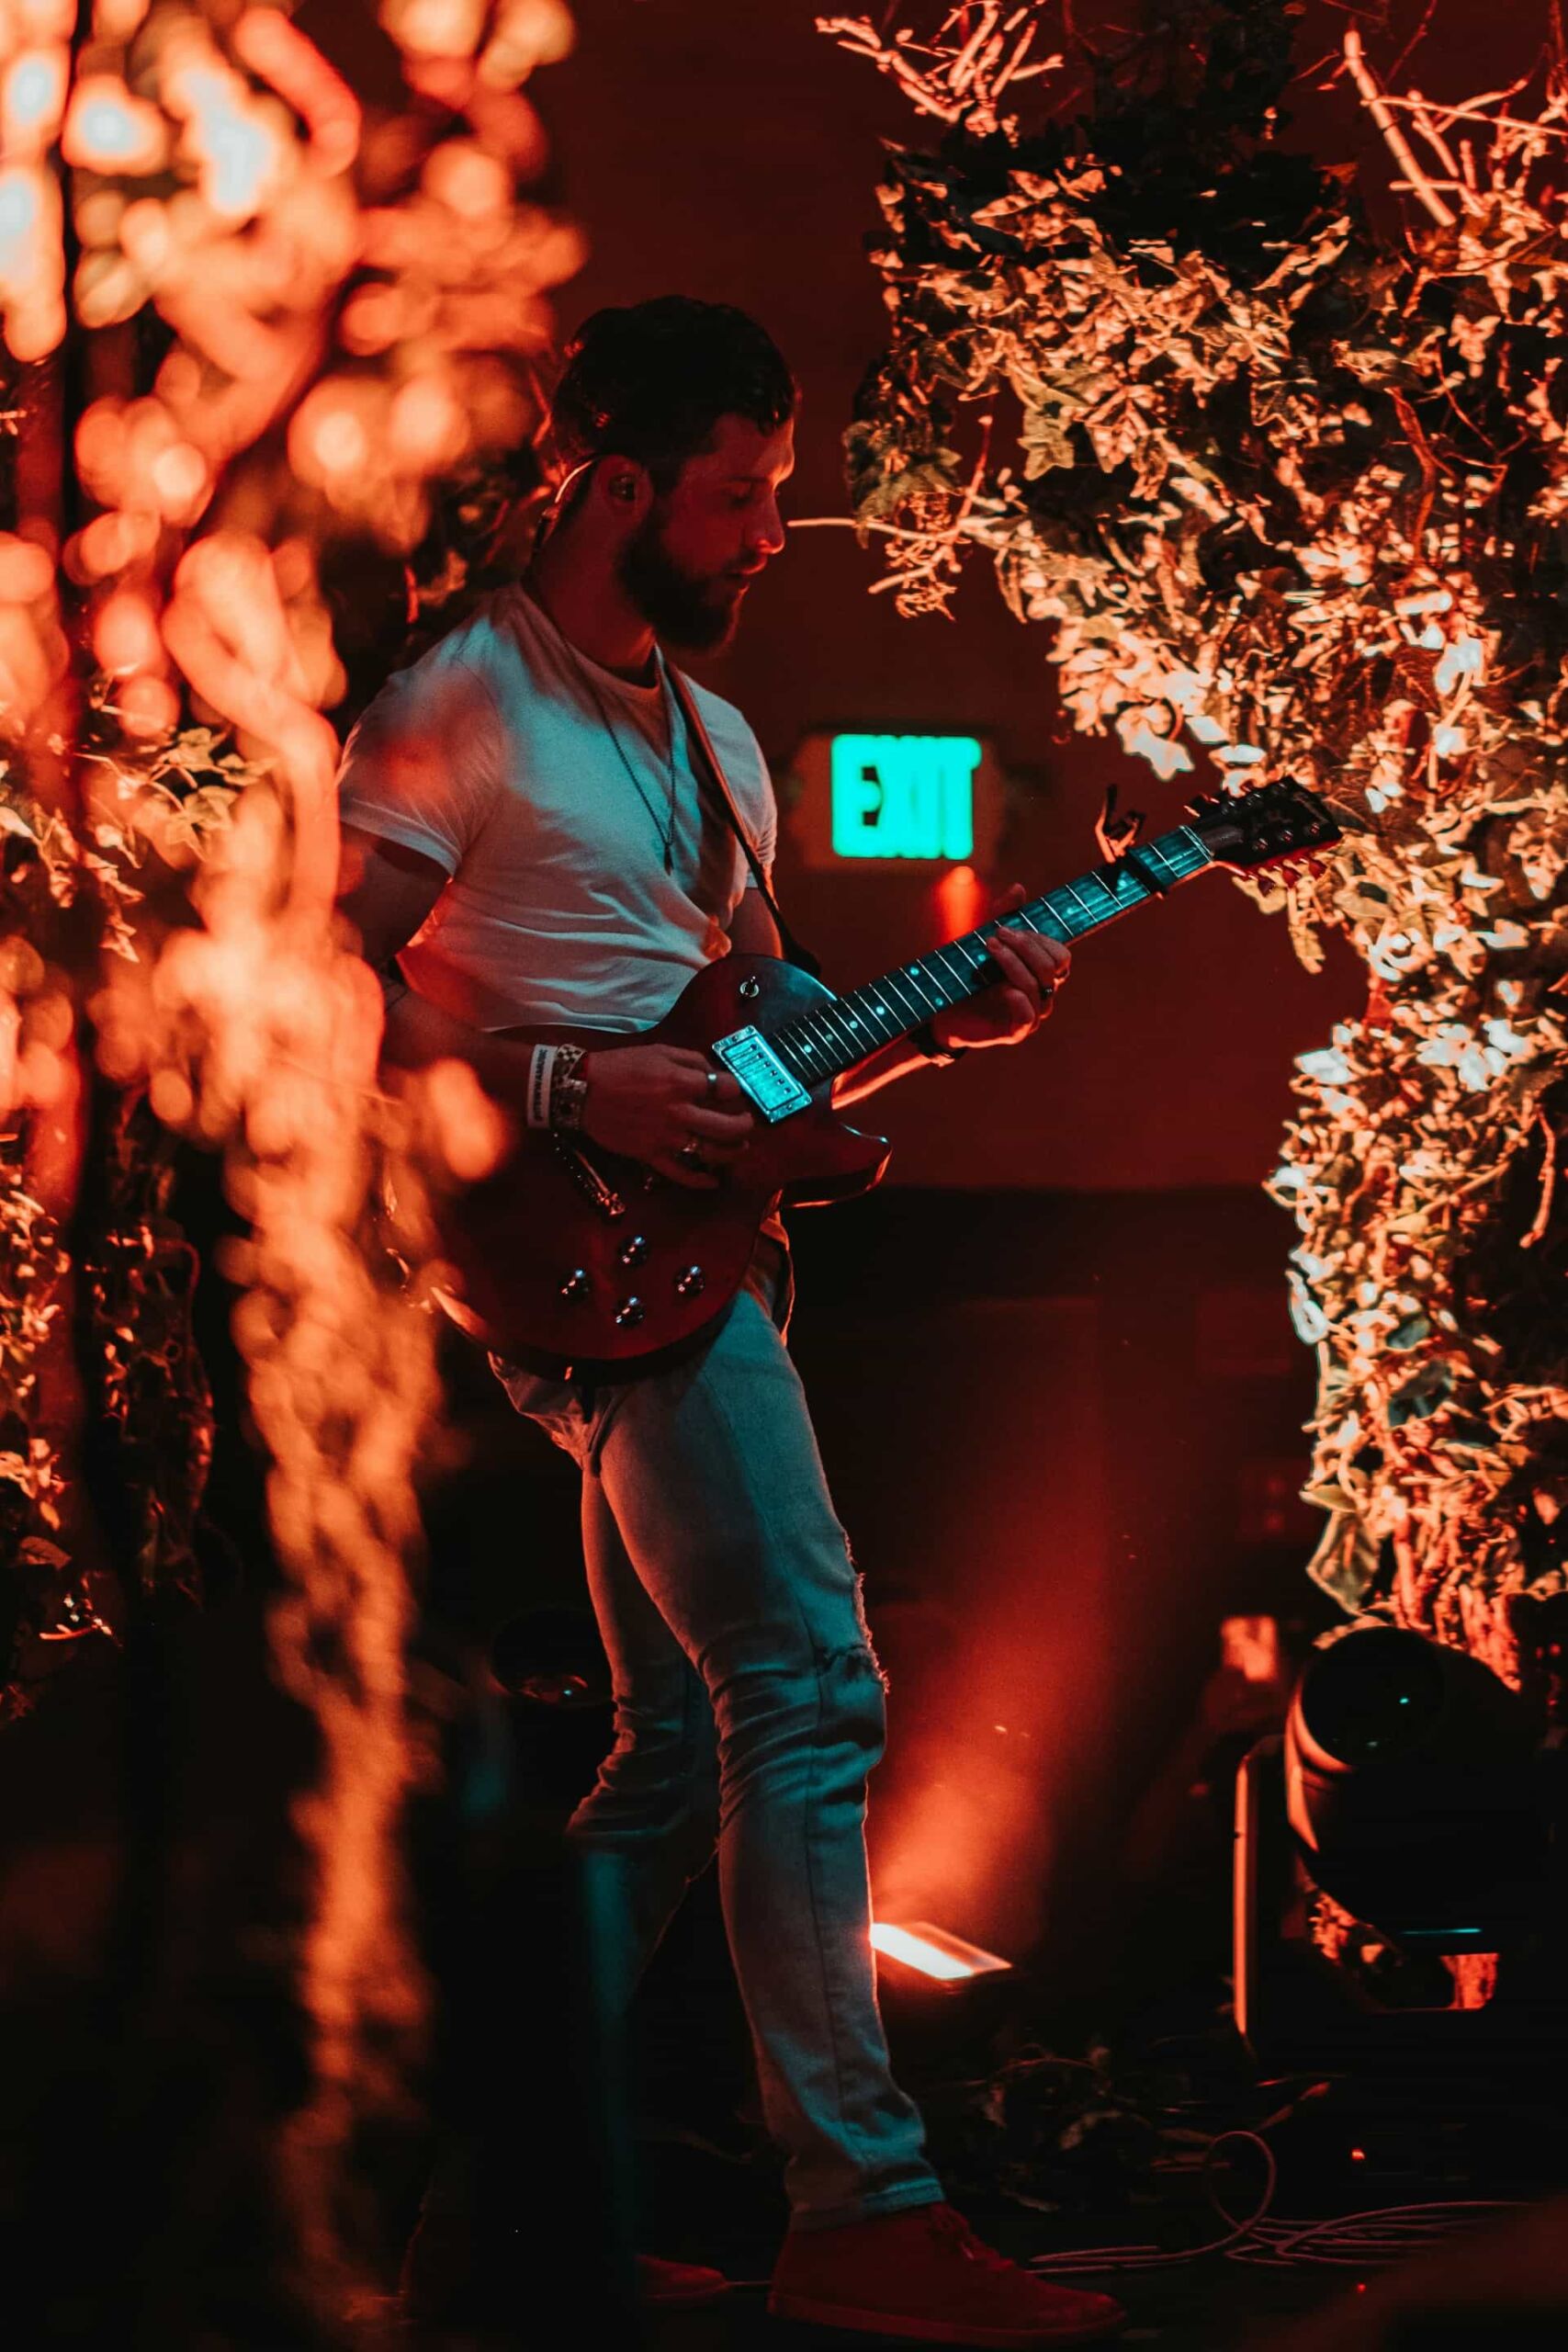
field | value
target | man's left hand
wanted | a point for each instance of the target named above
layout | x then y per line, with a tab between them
1032	969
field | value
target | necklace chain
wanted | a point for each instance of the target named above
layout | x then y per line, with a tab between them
664	831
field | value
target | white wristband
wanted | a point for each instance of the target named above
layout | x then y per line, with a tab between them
541	1070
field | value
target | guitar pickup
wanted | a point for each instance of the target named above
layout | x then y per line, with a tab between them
762	1077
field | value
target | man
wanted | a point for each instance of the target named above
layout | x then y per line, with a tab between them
527	837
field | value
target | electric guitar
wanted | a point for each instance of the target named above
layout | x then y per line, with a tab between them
572	1261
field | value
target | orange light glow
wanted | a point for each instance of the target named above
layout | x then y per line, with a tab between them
434	27
115	19
107	129
178	474
33	651
32	261
110	543
125	634
426	426
149	707
961	898
32	99
236	145
465	1127
526	33
932	1952
462	175
1250	1646
26	572
276	51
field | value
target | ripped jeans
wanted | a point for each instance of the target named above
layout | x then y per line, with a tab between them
748	1710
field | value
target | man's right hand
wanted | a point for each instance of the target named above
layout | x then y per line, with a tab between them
656	1103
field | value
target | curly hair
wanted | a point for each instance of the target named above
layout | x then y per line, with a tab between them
652	381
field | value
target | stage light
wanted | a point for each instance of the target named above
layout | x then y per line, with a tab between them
931	1951
1413	1788
961	902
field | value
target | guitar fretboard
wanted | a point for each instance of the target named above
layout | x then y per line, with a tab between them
835	1037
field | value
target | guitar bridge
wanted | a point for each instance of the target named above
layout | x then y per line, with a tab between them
586	1177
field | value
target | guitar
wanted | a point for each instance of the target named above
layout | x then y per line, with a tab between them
574	1261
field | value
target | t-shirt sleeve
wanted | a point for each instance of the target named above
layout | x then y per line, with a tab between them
422	767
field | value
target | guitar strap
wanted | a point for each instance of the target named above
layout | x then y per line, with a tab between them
698	738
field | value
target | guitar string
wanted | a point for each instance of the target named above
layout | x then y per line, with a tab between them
906	983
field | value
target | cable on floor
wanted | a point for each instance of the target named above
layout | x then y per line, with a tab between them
1357	2241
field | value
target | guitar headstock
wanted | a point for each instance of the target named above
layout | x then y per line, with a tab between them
1265	826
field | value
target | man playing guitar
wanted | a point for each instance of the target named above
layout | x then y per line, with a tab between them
533	854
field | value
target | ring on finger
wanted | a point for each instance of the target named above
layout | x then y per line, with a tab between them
692	1153
712	1077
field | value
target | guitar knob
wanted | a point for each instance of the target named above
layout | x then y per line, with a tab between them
633	1253
629	1313
690	1284
577	1285
749	987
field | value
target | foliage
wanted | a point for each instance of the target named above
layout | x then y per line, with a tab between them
272	325
1294	498
302	332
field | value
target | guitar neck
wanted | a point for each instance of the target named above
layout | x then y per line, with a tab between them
837	1036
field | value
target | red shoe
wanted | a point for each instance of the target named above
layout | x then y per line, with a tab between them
924	2274
677	2286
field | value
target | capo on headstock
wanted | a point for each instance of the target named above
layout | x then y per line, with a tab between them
1116	834
1118	838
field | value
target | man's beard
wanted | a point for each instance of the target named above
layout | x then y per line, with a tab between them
697	614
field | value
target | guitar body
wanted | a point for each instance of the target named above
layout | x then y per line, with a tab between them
569	1256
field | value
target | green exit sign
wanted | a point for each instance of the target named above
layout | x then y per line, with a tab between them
903	795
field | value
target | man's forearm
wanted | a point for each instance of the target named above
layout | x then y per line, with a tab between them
419	1033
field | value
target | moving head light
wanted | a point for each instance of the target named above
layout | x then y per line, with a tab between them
1413	1785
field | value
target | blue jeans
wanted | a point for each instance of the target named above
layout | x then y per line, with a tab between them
748	1711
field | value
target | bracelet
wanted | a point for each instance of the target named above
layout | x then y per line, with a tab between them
541	1069
568	1089
555	1093
927	1044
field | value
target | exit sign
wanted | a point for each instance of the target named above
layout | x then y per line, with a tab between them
890	801
904	796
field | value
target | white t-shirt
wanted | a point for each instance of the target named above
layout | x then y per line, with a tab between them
545	786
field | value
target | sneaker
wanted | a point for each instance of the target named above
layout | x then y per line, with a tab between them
924	2275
